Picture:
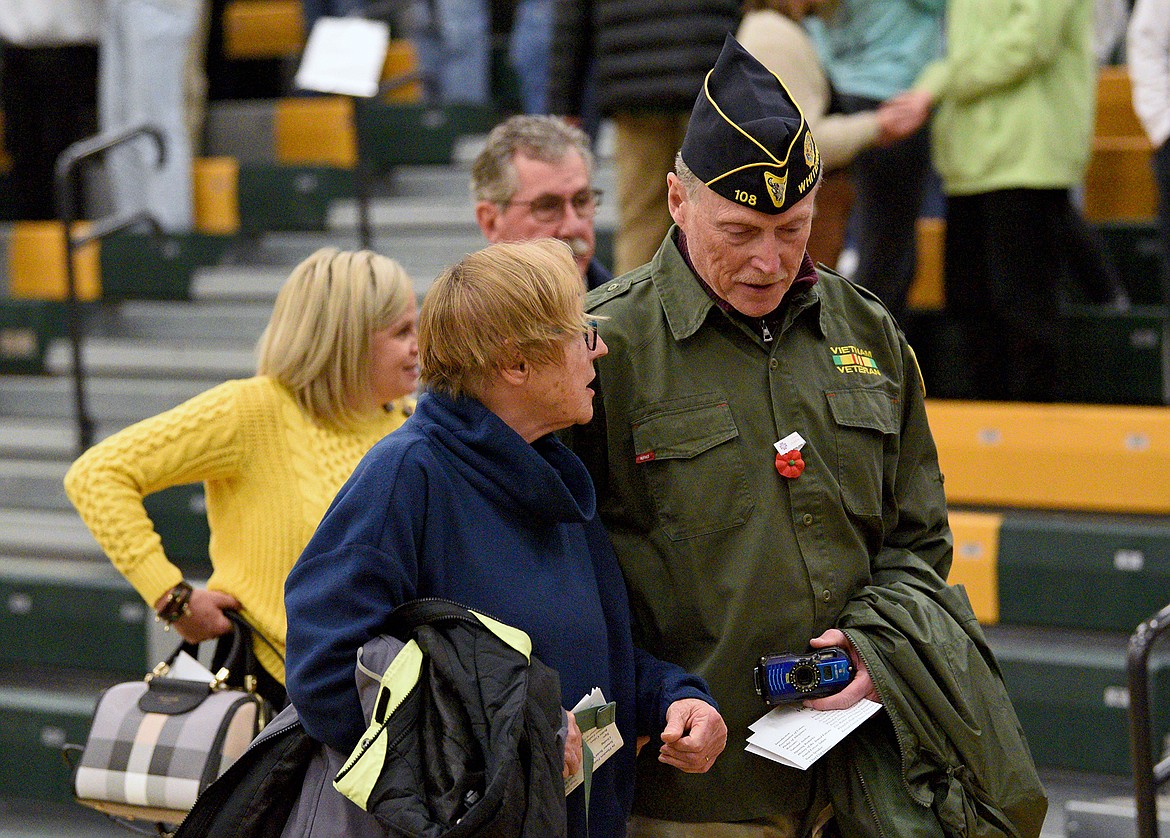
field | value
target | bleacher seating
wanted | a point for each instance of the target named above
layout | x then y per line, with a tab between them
1061	521
263	29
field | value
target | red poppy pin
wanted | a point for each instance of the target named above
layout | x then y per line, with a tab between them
788	460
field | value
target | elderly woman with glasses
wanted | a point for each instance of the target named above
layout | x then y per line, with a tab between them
475	500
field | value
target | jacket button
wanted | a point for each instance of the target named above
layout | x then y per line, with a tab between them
772	364
613	286
808	519
826	595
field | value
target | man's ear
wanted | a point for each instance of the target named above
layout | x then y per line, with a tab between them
487	216
676	198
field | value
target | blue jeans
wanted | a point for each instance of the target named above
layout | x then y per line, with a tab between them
528	52
453	39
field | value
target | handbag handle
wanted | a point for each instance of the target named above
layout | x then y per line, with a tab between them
239	654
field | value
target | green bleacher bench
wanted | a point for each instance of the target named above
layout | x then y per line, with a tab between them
1069	691
394	134
43	710
76	614
1114	357
290	197
1105	572
1135	248
139	266
26	329
179	515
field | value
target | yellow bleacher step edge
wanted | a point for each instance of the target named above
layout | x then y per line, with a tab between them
1103	458
1115	116
976	560
1119	184
316	130
401	62
926	290
36	262
215	185
263	28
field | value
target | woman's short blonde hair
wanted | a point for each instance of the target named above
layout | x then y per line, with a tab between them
317	342
507	302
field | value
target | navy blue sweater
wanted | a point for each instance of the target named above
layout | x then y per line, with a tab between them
455	504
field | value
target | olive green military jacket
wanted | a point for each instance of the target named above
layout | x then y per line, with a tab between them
725	559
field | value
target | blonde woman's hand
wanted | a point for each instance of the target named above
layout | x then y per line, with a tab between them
205	618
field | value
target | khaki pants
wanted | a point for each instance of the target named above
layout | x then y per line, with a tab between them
644	150
776	826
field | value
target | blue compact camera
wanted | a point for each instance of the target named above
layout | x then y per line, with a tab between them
786	677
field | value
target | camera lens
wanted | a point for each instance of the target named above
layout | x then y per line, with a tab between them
805	677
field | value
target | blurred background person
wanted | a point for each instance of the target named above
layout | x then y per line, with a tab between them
454	40
48	91
873	50
651	57
529	44
771	30
1149	71
1013	103
534	179
337	361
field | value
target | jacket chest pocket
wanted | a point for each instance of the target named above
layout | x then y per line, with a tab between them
693	468
861	419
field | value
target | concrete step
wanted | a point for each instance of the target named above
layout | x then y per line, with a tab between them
167	320
33	484
241	284
209	361
109	400
46	533
424	253
40	438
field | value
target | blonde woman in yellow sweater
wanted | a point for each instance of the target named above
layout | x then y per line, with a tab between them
337	365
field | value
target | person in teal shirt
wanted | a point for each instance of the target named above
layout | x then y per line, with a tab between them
873	50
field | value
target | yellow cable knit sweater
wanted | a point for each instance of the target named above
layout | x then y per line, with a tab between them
270	473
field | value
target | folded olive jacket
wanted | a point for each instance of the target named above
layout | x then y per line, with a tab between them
957	745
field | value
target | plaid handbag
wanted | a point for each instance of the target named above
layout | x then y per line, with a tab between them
156	744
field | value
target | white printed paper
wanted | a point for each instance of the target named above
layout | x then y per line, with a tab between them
603	741
793	442
344	55
186	668
798	736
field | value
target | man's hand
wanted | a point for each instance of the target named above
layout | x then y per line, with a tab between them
860	687
573	753
695	735
206	618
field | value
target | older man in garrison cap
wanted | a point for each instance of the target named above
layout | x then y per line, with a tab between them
768	477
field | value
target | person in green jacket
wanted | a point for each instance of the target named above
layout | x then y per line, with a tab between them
727	342
1011	131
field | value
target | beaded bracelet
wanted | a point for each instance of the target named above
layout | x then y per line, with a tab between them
176	606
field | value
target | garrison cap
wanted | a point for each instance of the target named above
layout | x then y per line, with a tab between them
748	139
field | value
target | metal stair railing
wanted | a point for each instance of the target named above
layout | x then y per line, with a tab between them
66	170
1148	776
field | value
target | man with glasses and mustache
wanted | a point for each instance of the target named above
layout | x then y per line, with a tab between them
533	180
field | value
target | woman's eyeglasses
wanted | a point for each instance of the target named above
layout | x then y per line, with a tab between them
591	335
